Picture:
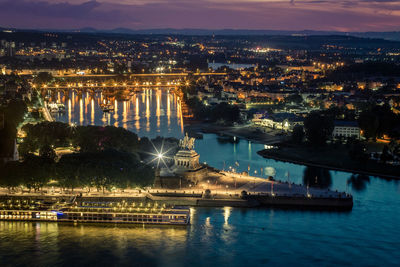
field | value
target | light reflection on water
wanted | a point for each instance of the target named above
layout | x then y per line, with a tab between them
220	236
367	235
148	113
53	243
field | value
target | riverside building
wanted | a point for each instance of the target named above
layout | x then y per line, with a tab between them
346	129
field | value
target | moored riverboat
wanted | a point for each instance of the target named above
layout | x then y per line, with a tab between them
96	212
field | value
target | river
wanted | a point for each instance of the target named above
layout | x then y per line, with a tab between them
366	236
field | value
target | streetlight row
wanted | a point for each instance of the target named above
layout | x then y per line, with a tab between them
115	84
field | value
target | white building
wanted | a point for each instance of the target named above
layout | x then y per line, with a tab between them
346	129
279	121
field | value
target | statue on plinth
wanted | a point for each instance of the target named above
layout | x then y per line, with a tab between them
187	142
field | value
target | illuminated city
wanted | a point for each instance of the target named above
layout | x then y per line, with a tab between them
199	133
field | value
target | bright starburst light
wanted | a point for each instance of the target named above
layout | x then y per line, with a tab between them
160	155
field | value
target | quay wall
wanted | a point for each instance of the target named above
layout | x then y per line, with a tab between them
214	201
237	203
285	201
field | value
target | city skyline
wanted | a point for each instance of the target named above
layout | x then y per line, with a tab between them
358	15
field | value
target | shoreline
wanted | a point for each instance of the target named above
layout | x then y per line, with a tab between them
247	132
341	202
263	154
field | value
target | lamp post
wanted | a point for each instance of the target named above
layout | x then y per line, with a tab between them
255	173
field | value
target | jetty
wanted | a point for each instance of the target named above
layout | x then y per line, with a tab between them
201	185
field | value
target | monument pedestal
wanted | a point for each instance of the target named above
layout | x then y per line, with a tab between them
186	169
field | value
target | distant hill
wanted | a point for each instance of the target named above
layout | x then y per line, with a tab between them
394	35
381	35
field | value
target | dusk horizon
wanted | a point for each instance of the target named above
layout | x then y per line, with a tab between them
344	16
283	31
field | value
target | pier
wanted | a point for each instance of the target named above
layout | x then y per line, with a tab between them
201	185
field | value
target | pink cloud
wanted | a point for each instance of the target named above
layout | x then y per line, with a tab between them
345	15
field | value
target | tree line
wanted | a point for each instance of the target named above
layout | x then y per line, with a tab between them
103	170
105	158
222	112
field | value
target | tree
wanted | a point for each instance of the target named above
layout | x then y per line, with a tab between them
48	152
43	78
56	134
225	112
14	112
357	150
220	112
369	123
11	115
103	170
298	134
317	177
294	99
376	121
36	171
97	138
67	170
386	156
318	128
11	175
358	181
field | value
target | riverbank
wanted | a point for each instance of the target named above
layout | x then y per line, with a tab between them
321	200
248	132
217	189
46	113
333	159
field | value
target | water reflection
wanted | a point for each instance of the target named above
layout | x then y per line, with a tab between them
115	116
227	214
358	182
69	111
158	112
138	112
124	115
92	110
83	244
317	177
169	108
81	111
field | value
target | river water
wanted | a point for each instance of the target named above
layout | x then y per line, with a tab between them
366	236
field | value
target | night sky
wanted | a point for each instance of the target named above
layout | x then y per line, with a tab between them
338	15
